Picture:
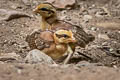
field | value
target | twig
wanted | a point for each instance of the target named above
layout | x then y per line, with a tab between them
85	55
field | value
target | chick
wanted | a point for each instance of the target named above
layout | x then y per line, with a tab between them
49	16
54	44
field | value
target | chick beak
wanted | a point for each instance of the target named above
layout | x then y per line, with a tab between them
35	10
73	40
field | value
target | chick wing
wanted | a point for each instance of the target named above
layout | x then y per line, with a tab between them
81	36
40	39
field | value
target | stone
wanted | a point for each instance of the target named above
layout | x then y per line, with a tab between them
7	57
36	56
103	36
86	18
100	14
26	2
62	4
93	28
7	15
87	64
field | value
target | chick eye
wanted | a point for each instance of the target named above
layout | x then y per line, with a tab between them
65	36
43	9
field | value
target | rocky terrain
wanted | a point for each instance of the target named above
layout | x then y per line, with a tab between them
98	17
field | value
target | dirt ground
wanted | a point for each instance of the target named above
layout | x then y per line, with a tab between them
98	17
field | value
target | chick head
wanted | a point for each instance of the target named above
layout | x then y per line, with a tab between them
45	10
64	36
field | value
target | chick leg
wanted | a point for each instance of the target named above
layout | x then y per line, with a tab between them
69	55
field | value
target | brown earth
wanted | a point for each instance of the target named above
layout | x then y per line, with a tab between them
98	17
